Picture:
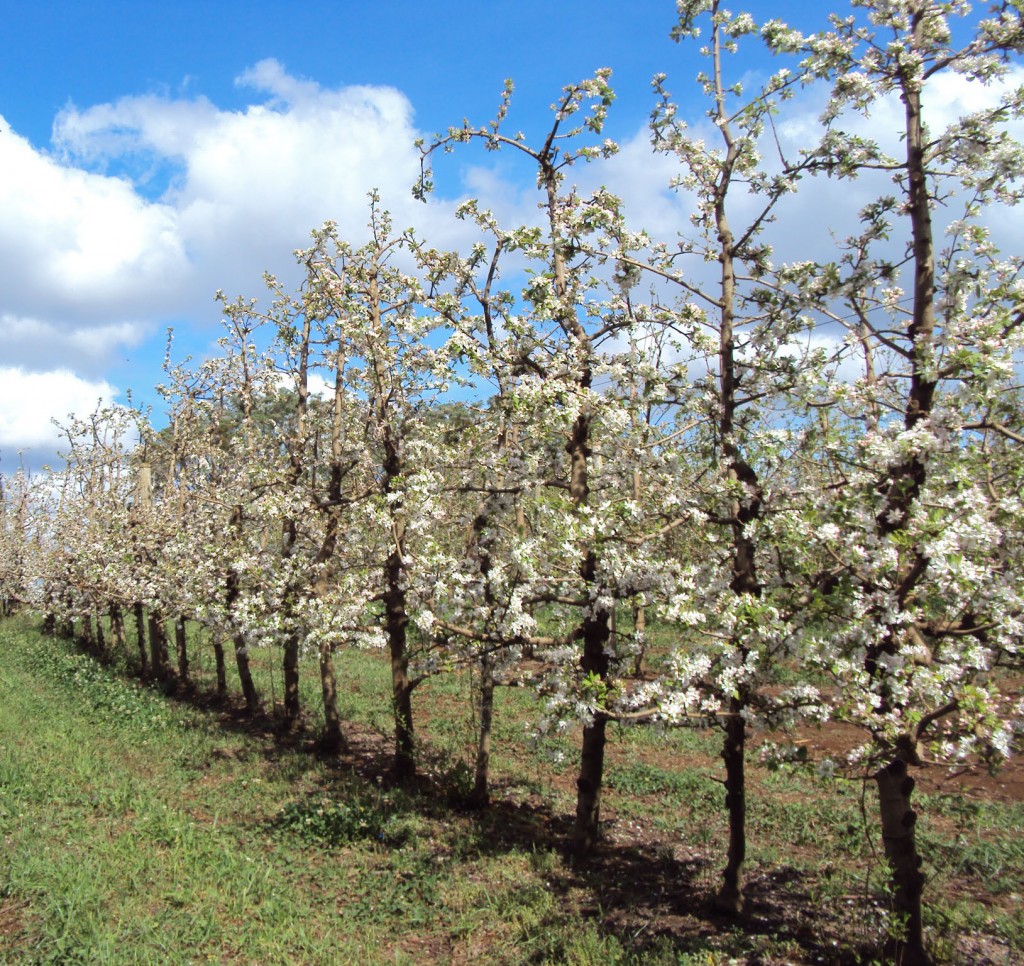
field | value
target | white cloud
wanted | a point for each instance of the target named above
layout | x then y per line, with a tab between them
84	243
641	178
41	345
76	243
30	402
268	75
248	186
144	207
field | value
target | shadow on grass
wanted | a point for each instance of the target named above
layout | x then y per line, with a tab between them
654	897
654	900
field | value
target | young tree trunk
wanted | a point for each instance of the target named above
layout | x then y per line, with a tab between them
640	629
252	696
233	590
588	785
596	633
67	623
905	485
481	794
396	621
289	532
331	740
181	646
88	637
290	671
158	654
221	665
101	637
140	637
50	624
730	897
116	626
895	787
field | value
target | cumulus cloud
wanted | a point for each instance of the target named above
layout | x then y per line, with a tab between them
246	187
142	208
40	345
75	243
29	404
197	199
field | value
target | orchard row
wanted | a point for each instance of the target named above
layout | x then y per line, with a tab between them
520	457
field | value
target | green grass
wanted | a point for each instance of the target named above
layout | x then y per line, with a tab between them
135	828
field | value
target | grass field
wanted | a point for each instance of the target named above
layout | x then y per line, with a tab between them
136	828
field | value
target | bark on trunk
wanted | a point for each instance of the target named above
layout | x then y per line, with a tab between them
895	787
101	638
730	897
401	686
640	630
331	740
140	638
290	531
252	696
221	665
233	591
158	655
906	482
290	671
588	785
88	637
181	646
116	627
481	792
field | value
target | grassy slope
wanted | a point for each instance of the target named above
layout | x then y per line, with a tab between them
137	830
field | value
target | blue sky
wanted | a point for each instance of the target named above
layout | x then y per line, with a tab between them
449	57
153	153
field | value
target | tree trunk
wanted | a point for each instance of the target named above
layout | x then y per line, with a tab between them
233	589
640	630
481	794
290	670
140	637
181	646
101	638
331	740
401	687
158	656
588	785
730	897
895	787
222	671
252	697
116	627
88	637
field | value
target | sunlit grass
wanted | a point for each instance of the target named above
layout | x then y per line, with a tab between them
136	828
